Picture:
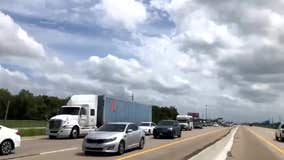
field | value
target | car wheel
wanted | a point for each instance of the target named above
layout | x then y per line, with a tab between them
87	153
121	148
155	134
172	135
6	147
51	137
74	133
141	143
179	135
276	138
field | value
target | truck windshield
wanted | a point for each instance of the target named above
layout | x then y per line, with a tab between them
112	128
182	121
69	110
166	123
144	124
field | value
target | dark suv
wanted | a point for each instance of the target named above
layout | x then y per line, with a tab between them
167	128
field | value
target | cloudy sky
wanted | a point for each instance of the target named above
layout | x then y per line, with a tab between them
187	53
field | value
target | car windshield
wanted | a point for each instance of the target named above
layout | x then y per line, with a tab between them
112	128
144	124
69	110
166	123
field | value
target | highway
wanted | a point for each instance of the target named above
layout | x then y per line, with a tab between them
191	141
249	143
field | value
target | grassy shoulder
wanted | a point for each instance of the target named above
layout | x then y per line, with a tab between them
27	127
32	132
23	123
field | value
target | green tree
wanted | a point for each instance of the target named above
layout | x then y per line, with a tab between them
162	113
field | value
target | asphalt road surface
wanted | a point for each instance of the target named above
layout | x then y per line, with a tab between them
155	149
255	143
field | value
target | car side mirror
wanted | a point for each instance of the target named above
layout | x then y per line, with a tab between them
129	131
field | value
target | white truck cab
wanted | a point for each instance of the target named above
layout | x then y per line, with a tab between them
185	121
77	118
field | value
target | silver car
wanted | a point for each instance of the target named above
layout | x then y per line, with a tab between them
114	137
279	133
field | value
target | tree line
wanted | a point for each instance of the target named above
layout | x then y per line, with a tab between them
27	106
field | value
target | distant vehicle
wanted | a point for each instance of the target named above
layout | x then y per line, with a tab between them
10	139
185	121
114	137
215	125
279	133
147	127
197	123
84	113
167	128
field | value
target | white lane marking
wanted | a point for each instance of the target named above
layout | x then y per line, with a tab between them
61	150
219	150
45	138
223	155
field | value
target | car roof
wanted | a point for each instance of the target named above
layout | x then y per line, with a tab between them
169	120
120	123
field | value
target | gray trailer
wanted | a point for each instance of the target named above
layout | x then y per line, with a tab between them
115	110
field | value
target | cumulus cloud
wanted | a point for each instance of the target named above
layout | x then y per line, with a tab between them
15	42
11	79
132	75
17	47
128	13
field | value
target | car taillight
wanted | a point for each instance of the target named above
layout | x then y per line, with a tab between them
18	133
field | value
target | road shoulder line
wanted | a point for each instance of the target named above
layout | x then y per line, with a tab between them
267	142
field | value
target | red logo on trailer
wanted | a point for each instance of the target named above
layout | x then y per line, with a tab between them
112	109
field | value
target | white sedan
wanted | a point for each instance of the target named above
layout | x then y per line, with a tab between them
147	127
10	139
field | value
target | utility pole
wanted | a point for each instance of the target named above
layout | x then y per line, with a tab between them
206	112
132	97
7	110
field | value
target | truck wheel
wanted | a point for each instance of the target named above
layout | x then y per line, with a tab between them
141	143
6	147
121	148
74	133
276	138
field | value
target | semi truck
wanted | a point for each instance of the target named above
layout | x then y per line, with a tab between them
85	113
185	121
